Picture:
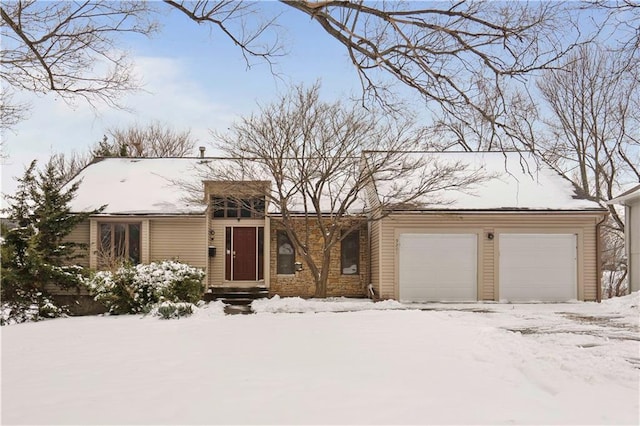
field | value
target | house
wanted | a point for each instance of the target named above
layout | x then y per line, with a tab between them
167	208
521	235
631	202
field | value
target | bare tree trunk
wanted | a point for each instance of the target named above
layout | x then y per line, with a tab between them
313	153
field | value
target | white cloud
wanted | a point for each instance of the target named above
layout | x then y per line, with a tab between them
169	96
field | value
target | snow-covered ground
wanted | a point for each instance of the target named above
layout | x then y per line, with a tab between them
575	363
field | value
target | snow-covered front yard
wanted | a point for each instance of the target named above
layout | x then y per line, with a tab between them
575	363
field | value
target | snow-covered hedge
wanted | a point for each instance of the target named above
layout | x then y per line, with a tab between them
18	312
134	289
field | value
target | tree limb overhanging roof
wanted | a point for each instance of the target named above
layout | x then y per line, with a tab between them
165	186
139	186
513	181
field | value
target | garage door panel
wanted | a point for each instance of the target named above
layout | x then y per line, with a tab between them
438	267
538	267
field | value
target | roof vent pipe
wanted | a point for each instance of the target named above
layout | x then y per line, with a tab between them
202	151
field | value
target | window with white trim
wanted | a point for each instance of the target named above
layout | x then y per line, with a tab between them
350	253
118	242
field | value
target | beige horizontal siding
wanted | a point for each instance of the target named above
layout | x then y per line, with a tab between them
376	241
179	238
582	225
374	255
80	235
487	289
388	247
590	259
216	264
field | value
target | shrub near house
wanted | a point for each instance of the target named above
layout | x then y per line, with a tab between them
134	289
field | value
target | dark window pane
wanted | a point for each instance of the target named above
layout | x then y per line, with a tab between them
217	207
286	254
105	239
247	208
258	207
134	243
232	208
119	240
104	250
350	253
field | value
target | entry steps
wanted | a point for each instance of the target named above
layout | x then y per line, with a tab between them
238	299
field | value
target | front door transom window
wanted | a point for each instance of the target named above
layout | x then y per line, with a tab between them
226	207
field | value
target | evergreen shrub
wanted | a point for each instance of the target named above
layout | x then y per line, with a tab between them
169	310
36	256
136	289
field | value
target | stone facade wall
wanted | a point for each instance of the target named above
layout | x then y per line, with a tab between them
301	283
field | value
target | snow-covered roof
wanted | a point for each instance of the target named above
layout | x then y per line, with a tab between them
627	196
512	181
140	186
167	186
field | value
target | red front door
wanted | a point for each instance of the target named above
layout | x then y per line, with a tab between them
244	253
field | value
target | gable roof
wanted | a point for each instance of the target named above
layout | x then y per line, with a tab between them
139	186
514	181
631	194
162	186
174	186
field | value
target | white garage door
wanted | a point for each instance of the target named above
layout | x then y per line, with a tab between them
438	267
538	267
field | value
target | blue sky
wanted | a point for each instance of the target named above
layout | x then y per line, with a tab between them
193	79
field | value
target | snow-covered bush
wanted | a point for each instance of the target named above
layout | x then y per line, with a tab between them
41	307
134	289
176	282
169	310
117	290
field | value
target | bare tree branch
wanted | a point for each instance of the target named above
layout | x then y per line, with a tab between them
622	25
70	48
152	140
68	166
11	112
592	106
311	152
249	29
438	50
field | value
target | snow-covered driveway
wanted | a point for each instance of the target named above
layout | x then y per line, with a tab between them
502	364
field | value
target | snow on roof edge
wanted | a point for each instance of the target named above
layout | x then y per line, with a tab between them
630	194
565	194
